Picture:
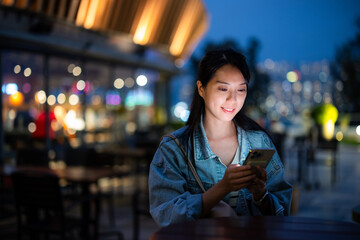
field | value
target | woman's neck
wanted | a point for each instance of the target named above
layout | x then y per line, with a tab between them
219	129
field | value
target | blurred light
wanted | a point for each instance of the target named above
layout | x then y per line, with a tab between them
339	136
26	87
292	76
139	97
179	108
74	123
76	71
317	97
80	85
184	116
12	114
96	100
32	127
73	99
40	97
27	72
16	99
61	98
358	130
119	83
130	127
339	86
129	82
51	100
270	101
297	87
141	80
59	113
113	98
286	86
11	88
70	68
328	129
179	63
17	69
323	76
55	126
269	64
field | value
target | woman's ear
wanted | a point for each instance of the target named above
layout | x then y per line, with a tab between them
200	88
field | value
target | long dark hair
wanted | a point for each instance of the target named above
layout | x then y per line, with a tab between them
211	62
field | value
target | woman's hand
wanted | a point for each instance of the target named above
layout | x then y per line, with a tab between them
237	177
258	185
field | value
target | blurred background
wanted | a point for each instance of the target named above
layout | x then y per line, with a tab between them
97	83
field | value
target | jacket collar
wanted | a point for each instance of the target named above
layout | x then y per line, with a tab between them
202	150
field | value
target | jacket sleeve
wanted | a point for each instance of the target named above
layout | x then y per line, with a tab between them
280	191
170	200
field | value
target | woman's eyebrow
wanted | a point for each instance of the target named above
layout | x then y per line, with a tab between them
221	82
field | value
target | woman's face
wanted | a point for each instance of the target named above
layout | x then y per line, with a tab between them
225	93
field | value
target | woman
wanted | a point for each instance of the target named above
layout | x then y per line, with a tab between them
217	139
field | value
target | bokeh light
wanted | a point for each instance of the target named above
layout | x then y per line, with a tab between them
141	80
119	83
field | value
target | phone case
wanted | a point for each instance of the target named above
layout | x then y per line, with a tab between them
259	157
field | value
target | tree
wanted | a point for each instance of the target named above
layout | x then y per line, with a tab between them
347	69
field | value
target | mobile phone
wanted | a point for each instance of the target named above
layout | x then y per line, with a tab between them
259	157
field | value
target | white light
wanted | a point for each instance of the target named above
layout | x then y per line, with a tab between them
41	96
141	80
27	72
80	85
358	130
61	98
17	69
32	127
119	83
51	100
76	71
179	108
73	99
11	88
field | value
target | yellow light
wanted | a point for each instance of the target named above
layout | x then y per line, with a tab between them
292	76
149	20
91	14
339	136
328	129
16	99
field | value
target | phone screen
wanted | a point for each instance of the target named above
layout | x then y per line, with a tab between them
259	157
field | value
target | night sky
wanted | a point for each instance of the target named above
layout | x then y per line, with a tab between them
291	30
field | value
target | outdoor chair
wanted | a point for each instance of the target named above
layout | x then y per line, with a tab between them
41	209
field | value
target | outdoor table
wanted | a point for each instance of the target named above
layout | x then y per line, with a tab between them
84	176
260	228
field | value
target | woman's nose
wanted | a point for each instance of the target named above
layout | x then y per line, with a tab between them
232	96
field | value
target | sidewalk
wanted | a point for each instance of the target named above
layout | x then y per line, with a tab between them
333	202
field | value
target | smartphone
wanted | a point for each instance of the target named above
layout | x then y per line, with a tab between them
259	157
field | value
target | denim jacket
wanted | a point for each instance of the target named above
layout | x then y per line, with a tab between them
175	195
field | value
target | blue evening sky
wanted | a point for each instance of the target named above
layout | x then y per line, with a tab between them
291	30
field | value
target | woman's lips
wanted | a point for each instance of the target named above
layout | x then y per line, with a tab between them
228	110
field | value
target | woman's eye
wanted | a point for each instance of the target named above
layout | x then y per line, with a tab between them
222	89
242	90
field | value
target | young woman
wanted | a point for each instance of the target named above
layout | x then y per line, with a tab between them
217	139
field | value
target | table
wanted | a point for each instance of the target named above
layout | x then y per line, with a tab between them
85	176
260	228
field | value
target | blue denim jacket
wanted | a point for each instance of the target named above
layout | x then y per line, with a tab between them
175	195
